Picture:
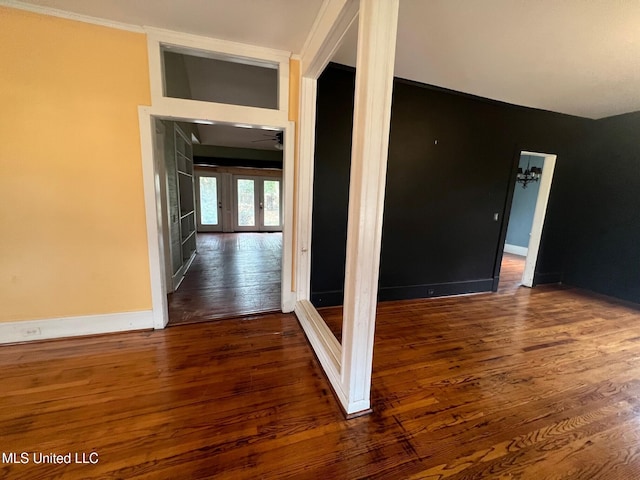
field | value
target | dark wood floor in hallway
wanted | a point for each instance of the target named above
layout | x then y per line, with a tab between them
511	271
523	384
234	274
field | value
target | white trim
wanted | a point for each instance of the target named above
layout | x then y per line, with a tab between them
377	30
177	111
538	216
374	81
331	25
217	48
324	344
288	299
307	312
154	220
78	17
192	110
306	146
31	330
515	249
156	76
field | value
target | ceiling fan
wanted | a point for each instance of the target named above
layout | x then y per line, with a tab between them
276	137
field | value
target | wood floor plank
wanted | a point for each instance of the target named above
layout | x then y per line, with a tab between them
234	274
524	383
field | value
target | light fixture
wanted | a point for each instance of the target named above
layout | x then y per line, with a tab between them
531	174
279	137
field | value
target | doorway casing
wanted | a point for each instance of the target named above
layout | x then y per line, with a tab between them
539	215
176	109
542	200
347	366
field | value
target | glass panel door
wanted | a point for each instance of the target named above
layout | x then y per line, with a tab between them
246	204
258	205
271	208
209	203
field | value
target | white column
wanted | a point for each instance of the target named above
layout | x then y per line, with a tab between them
306	146
378	22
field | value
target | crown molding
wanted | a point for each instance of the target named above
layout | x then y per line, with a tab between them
212	44
54	12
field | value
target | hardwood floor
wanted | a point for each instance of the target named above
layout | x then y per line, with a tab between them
234	274
511	270
524	384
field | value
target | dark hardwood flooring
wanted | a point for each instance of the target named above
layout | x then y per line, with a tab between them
234	274
524	384
511	270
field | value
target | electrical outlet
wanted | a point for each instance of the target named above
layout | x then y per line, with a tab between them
31	332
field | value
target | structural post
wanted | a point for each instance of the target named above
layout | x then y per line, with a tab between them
378	22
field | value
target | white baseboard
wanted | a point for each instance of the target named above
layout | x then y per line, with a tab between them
30	330
516	250
288	302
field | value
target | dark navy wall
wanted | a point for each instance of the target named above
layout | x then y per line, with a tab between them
523	205
602	205
452	164
334	125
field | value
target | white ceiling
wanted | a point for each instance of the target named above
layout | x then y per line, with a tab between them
580	57
281	24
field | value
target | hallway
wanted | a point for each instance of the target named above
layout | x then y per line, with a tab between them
234	274
511	270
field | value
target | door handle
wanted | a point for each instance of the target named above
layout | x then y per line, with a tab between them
260	205
219	204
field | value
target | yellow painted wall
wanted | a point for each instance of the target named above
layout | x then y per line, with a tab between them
294	89
72	223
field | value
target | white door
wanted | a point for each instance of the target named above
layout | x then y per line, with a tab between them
257	204
209	202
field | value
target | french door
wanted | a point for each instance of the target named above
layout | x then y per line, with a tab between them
209	198
257	203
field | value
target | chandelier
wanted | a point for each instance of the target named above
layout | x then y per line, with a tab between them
531	174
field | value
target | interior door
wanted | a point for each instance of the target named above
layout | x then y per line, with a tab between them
209	202
258	205
270	206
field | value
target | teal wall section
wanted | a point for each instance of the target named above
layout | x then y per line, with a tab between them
523	206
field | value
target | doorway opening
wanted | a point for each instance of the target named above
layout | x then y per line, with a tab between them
526	219
233	275
221	192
